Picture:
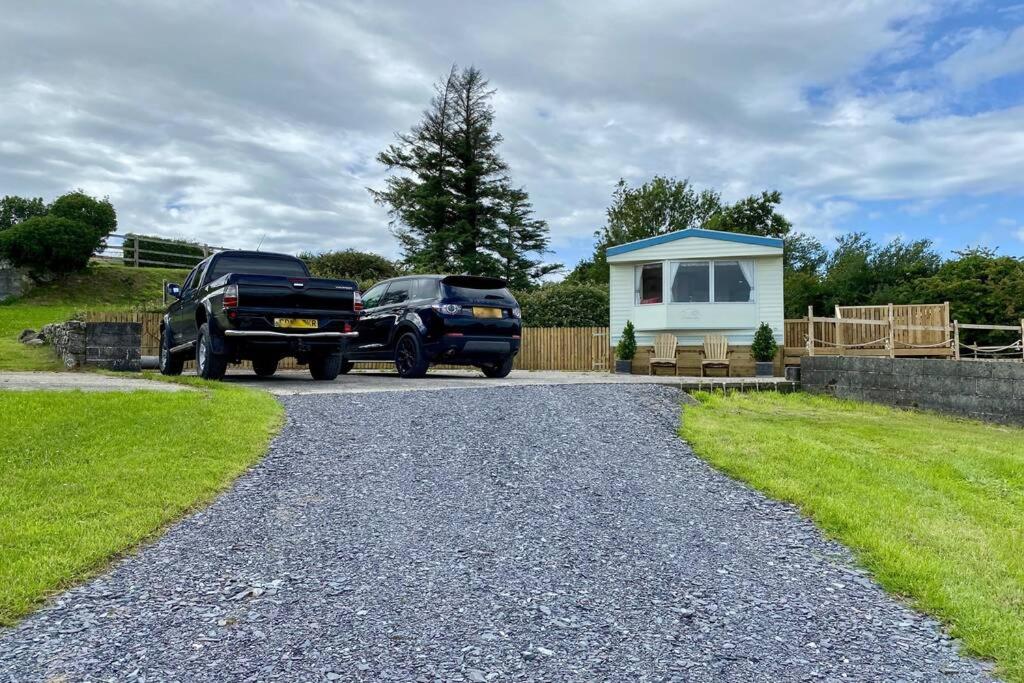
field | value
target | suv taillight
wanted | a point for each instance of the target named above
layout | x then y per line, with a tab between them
230	297
357	302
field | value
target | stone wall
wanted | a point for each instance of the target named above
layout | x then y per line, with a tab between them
68	342
983	390
113	346
13	281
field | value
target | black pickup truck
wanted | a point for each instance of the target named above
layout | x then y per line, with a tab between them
260	307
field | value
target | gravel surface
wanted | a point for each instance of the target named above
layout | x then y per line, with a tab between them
557	533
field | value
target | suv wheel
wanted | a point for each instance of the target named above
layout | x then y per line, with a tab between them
264	367
209	365
499	369
409	358
325	368
346	366
169	363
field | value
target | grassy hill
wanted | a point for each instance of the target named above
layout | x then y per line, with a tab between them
101	287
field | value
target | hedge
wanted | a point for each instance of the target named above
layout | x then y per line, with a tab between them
565	305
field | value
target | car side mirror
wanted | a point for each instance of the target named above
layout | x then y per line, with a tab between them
173	290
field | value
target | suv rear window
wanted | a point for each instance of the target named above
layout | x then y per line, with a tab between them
497	293
256	265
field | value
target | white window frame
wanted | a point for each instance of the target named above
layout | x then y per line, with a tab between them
667	282
638	269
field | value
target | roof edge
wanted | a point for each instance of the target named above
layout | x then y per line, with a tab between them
722	235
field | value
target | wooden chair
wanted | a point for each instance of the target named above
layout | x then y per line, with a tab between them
664	353
716	353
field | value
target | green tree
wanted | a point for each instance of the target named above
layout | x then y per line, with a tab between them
452	203
754	215
99	214
14	210
658	206
49	245
364	267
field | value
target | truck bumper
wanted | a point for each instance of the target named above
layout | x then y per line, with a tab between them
290	335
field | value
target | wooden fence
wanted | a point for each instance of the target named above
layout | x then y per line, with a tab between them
895	331
141	251
543	348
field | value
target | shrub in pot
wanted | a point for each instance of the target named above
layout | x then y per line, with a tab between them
763	350
625	349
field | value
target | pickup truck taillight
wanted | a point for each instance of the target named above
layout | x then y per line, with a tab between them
230	297
357	302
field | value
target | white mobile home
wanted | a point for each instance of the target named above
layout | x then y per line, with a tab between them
694	283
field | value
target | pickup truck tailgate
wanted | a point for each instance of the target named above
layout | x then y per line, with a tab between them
290	294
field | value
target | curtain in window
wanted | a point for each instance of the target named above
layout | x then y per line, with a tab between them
748	272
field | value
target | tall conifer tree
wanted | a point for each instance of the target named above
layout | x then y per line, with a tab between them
452	203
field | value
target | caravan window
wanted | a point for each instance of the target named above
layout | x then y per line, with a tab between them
649	283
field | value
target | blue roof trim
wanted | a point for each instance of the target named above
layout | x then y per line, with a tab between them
696	232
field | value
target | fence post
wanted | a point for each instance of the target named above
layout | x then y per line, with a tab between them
839	332
163	293
1022	338
135	250
892	333
206	251
956	339
810	330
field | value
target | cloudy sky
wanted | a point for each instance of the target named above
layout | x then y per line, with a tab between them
235	122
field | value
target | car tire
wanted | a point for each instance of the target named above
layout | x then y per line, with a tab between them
499	369
325	368
410	361
265	367
346	366
209	365
170	364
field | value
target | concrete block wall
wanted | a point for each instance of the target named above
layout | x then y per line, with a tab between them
114	346
992	391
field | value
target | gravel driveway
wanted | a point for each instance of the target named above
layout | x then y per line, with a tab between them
539	533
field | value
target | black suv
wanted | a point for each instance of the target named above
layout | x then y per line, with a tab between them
423	319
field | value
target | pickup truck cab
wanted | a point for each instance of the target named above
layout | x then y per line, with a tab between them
260	307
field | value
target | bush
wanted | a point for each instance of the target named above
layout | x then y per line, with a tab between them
626	348
49	245
364	267
565	305
764	347
99	214
175	253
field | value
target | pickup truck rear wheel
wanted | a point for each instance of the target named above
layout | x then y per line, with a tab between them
264	367
170	364
209	365
346	366
325	368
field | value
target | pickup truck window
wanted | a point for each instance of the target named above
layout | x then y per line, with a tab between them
190	280
256	265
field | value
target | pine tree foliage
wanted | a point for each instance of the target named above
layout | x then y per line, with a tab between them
452	203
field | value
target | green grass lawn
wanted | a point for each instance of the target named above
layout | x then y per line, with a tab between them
100	287
933	506
85	477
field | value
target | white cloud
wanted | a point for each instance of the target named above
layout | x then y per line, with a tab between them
987	54
207	121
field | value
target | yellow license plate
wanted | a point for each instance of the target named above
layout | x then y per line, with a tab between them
486	312
300	323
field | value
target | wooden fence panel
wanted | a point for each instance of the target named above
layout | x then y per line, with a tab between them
543	348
